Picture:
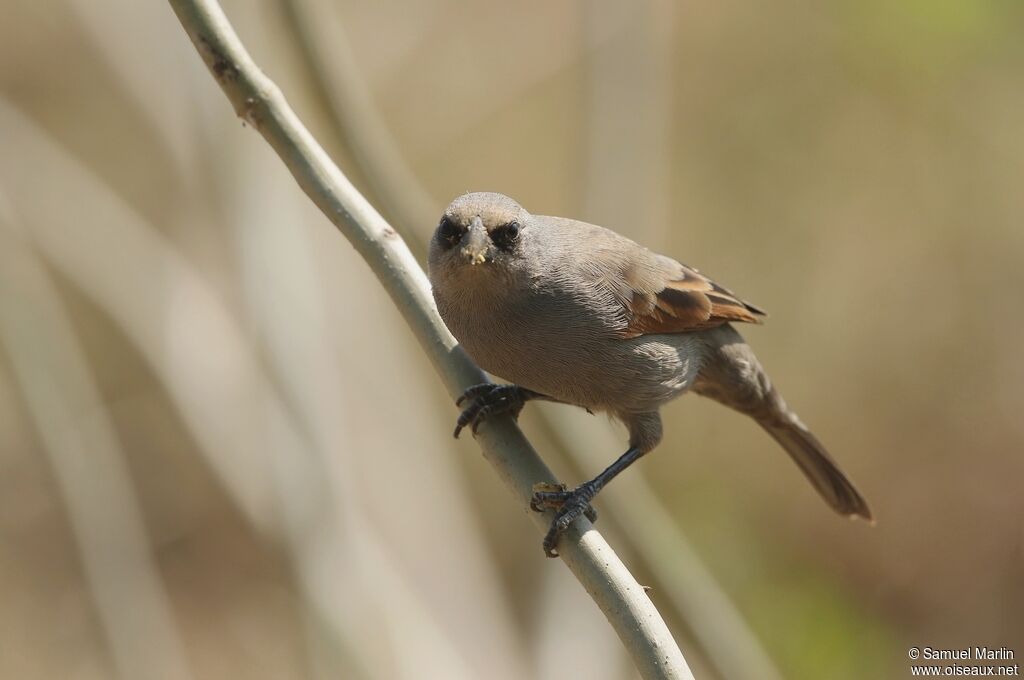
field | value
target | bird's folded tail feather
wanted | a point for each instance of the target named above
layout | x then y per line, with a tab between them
815	462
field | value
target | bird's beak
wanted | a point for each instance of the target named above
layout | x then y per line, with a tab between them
476	243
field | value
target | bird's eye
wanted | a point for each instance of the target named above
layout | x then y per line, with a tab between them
449	232
505	236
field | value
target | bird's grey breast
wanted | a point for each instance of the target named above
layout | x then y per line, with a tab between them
535	335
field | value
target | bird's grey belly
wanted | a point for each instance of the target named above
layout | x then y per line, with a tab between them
602	373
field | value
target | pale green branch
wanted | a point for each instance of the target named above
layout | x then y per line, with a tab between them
259	102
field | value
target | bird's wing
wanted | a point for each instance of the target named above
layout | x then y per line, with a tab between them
668	297
650	293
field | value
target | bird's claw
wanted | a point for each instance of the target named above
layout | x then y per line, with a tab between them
486	400
568	505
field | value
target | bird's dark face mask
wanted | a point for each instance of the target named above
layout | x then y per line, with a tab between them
479	241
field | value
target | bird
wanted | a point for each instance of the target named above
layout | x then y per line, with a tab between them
575	313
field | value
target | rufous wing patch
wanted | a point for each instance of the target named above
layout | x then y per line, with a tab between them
689	302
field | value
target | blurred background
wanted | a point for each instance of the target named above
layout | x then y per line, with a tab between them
222	453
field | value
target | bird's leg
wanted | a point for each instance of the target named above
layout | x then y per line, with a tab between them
487	399
552	496
572	504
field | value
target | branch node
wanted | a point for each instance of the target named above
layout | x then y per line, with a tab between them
223	69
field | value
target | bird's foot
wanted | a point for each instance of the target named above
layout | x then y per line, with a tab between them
568	506
486	400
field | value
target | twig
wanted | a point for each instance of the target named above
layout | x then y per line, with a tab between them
259	102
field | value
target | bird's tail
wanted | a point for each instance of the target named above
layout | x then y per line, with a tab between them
815	462
733	376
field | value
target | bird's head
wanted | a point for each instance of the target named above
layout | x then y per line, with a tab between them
479	232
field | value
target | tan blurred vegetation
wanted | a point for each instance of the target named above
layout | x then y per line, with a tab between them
222	454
